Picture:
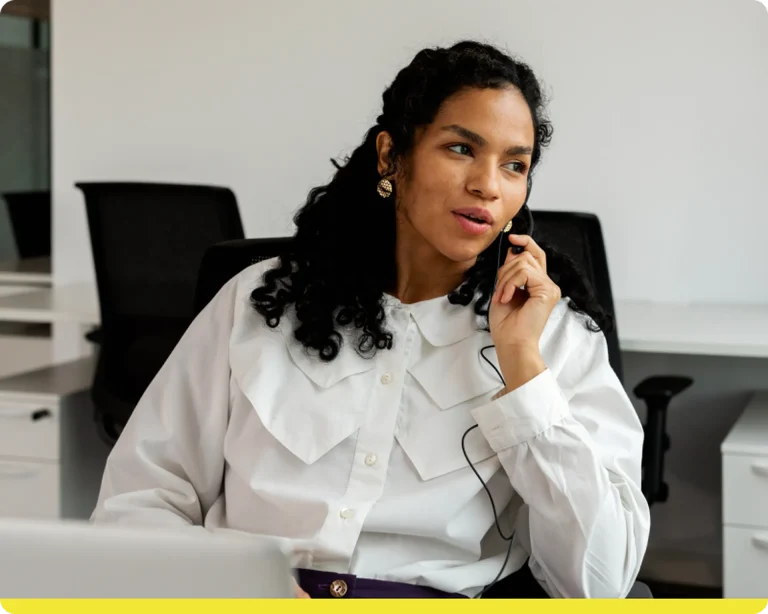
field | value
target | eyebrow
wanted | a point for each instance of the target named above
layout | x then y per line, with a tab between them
475	138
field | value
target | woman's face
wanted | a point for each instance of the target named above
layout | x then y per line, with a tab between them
466	176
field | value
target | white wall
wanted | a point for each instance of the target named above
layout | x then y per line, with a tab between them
658	111
659	129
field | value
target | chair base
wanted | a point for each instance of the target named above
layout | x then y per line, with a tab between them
640	590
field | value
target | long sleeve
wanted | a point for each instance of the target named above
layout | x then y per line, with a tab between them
167	467
571	445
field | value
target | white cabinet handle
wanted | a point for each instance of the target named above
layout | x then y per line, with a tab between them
18	471
760	541
760	470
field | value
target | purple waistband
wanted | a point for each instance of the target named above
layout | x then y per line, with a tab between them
329	585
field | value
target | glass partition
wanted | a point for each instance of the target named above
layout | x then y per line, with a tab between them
24	116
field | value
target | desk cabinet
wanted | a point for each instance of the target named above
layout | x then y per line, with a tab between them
745	503
51	458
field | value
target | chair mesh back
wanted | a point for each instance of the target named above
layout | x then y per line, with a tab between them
30	215
222	262
580	236
148	241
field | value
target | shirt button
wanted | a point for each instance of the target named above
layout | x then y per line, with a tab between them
338	588
386	378
346	514
370	460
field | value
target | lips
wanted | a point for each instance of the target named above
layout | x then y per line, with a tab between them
471	226
476	215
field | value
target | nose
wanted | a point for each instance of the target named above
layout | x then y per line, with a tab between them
484	182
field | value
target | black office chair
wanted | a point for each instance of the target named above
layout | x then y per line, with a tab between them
223	261
30	216
580	236
148	240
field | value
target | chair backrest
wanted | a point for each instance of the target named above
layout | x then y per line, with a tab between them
580	236
225	260
30	215
148	240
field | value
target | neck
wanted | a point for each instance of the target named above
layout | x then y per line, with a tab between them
423	273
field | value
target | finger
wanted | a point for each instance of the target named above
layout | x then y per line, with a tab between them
512	281
524	276
515	261
530	246
300	592
510	256
511	263
508	262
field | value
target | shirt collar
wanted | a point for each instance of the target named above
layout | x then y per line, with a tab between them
440	322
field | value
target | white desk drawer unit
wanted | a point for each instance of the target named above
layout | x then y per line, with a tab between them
29	489
745	503
51	458
29	430
745	554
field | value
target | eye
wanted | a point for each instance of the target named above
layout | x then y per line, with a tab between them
517	166
461	148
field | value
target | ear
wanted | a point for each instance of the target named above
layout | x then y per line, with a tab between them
383	151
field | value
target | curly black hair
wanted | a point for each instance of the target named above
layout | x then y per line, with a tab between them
335	275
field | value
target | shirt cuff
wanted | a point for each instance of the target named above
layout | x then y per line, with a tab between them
522	414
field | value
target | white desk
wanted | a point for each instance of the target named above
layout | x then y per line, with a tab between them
34	271
74	309
714	330
76	303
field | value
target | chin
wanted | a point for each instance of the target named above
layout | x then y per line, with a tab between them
463	251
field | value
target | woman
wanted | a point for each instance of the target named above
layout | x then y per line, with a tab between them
337	397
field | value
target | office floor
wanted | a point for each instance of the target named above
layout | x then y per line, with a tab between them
662	590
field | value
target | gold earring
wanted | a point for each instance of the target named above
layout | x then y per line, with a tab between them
508	227
384	188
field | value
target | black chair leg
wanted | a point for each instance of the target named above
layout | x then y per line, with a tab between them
654	448
657	392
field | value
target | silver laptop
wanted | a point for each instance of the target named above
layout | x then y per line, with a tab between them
83	561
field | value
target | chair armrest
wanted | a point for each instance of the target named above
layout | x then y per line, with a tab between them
660	387
95	335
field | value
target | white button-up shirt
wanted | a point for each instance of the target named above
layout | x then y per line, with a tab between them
358	465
